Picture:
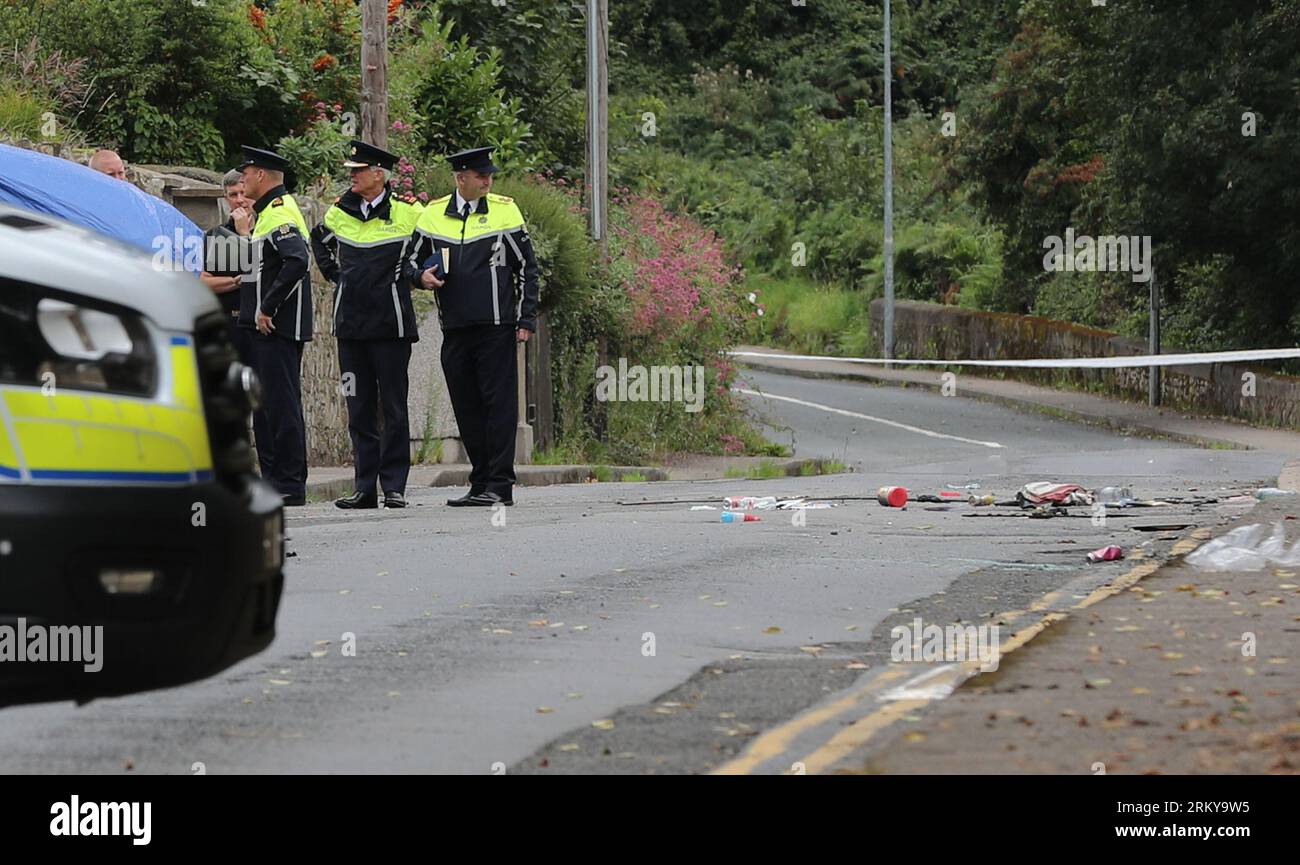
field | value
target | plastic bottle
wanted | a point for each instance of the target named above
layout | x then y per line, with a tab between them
1272	493
1114	495
734	517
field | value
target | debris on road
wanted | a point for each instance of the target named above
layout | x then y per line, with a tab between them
740	517
1106	554
1118	496
1246	549
1272	493
1047	492
748	503
892	497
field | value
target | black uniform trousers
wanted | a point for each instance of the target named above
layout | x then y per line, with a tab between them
280	431
378	385
482	381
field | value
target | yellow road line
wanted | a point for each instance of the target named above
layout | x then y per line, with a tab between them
774	742
778	739
860	732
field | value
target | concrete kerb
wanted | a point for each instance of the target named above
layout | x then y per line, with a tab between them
341	484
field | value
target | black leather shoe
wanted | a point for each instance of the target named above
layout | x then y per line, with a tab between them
464	500
292	501
487	500
357	501
394	500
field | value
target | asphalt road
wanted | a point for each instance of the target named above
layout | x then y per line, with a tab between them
488	646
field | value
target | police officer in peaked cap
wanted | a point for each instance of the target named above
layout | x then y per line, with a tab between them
471	248
275	301
361	246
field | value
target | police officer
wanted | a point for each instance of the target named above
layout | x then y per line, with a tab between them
361	246
472	249
275	301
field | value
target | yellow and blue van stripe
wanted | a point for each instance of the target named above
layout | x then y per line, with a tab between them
70	436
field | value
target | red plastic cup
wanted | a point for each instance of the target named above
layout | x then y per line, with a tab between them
892	497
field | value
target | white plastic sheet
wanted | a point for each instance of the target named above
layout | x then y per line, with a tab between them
1246	548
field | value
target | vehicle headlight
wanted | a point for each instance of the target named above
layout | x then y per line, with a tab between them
57	341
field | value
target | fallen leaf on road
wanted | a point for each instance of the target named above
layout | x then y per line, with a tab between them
544	710
581	627
603	724
812	650
320	653
772	630
568	747
719	603
539	623
855	665
1097	683
279	681
345	591
1172	656
914	737
502	631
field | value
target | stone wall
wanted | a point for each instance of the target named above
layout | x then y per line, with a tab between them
934	331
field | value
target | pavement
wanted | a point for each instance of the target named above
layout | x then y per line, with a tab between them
1182	672
612	628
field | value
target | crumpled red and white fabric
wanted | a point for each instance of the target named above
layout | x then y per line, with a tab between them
1046	492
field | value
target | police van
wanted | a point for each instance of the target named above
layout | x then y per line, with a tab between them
128	503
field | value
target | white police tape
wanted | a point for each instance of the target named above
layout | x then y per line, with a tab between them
1059	362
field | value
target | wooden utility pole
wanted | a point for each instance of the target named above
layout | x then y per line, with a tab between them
374	72
598	120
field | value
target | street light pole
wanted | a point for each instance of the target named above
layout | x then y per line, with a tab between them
889	198
597	118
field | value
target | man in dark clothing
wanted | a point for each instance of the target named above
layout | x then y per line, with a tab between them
276	301
360	246
472	250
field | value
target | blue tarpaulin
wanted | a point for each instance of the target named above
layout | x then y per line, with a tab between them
80	195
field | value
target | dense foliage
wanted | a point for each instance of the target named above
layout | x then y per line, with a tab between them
747	139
